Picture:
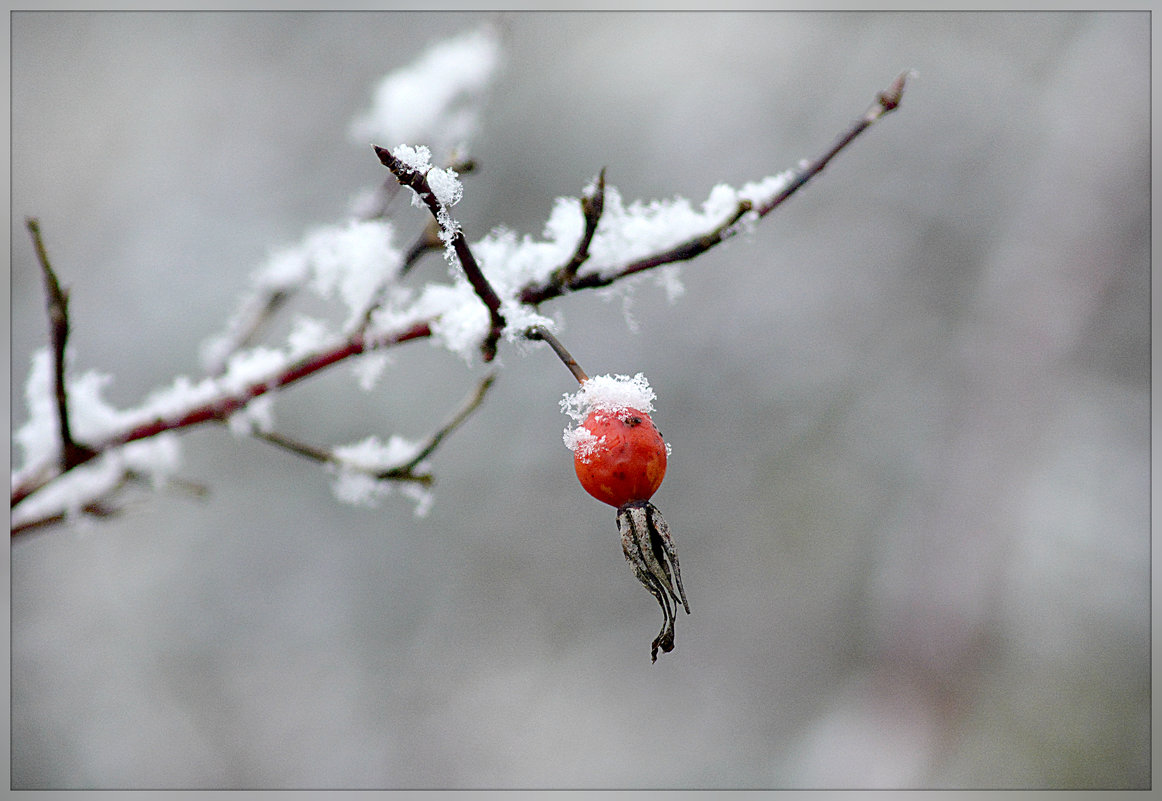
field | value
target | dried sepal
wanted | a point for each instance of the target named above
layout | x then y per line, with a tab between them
649	549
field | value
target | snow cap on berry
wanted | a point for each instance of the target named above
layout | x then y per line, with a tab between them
608	394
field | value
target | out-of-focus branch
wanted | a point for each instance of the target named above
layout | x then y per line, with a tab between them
470	405
72	453
94	509
104	507
418	182
258	312
426	242
403	472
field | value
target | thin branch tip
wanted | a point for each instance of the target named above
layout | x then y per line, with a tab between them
72	453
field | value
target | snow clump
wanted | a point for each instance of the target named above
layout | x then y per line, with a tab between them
604	393
356	467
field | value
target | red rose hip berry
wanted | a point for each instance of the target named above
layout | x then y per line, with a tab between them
624	461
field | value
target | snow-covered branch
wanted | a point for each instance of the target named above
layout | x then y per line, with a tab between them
439	189
78	451
733	210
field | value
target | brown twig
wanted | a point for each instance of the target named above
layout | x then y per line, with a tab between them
72	453
592	205
314	454
418	182
886	101
324	456
428	241
470	405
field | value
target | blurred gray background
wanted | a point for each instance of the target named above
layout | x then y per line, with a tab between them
909	415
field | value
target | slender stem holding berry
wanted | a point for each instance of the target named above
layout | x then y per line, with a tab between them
542	333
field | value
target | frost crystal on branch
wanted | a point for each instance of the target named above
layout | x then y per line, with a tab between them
445	187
